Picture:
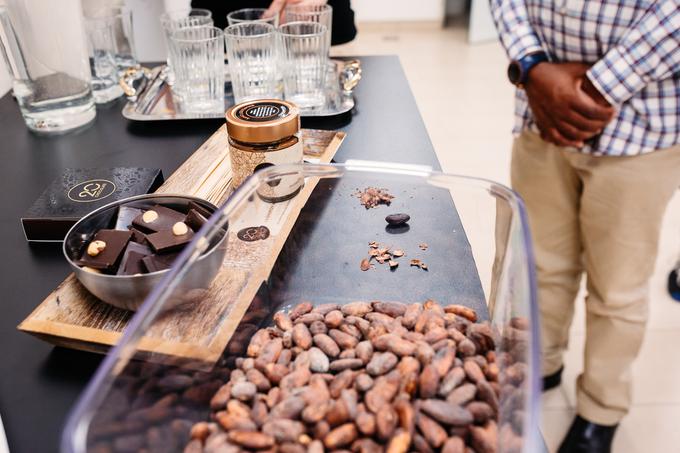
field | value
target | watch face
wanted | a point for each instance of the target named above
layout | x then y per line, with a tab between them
514	72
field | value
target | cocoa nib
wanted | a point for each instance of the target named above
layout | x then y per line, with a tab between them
371	197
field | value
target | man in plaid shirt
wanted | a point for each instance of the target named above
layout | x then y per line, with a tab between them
596	158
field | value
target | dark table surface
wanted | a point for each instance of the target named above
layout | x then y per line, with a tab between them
38	382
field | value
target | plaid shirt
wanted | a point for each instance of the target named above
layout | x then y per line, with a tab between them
634	49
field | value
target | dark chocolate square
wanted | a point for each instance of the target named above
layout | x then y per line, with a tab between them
106	260
166	219
166	241
155	263
131	263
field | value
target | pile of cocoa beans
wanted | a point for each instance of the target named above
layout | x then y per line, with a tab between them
370	377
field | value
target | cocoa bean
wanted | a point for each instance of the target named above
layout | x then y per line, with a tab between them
238	409
174	382
283	430
299	310
287	339
324	309
333	319
342	339
473	372
340	382
316	411
429	382
424	353
455	334
452	380
296	379
318	327
481	411
421	445
411	315
250	439
460	310
273	397
327	345
243	391
259	412
258	341
200	431
269	354
338	413
285	357
400	442
364	446
290	447
309	318
321	429
348	354
362	324
487	394
446	413
443	359
408	365
349	329
484	439
356	308
318	361
219	399
275	372
366	423
256	377
406	414
462	395
436	334
341	436
392	309
345	364
386	421
431	430
351	399
379	318
290	407
381	363
195	446
364	351
283	321
301	336
363	382
232	422
466	348
454	445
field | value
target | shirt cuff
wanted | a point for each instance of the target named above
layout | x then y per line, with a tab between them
615	77
524	45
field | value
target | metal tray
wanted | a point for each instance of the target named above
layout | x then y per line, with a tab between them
151	97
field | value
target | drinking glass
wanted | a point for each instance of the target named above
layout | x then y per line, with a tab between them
251	49
171	21
102	48
252	15
198	64
120	20
48	63
304	48
313	12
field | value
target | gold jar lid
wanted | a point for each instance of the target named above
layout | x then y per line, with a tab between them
263	121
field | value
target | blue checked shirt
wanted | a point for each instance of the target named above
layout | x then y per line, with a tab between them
634	49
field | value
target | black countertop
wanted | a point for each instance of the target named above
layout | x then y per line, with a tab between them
38	382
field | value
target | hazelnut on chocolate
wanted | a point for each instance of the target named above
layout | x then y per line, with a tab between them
180	228
95	247
149	216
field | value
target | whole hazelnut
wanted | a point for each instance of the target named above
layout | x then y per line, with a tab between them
180	228
95	247
150	216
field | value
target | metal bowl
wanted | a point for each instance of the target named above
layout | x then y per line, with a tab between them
129	291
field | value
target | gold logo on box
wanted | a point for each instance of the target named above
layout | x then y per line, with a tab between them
93	190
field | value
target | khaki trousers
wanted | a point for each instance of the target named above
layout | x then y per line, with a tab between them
601	216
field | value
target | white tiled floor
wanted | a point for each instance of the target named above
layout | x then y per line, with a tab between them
467	104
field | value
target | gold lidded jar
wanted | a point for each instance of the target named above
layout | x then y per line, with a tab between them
263	133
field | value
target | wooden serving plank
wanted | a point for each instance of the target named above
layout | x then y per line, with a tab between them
71	317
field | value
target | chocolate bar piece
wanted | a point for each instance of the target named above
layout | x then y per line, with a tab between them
167	240
205	212
195	220
138	236
105	249
125	217
157	219
155	263
131	263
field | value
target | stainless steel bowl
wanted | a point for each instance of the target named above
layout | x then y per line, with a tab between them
129	291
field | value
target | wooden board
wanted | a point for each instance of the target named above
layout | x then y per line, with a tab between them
71	317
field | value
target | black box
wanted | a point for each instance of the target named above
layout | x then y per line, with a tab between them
79	191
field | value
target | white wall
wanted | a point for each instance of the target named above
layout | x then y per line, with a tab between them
399	10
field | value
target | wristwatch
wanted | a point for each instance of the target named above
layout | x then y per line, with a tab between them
518	70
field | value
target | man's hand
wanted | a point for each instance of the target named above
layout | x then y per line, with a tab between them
277	6
565	113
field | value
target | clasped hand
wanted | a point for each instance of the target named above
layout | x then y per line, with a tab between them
567	108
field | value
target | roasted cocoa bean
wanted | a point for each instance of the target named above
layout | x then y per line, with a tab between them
431	430
258	341
381	363
256	377
340	382
366	423
356	308
429	382
363	382
309	318
452	380
290	407
243	391
406	414
283	430
392	309
462	395
283	321
301	336
484	439
342	339
473	372
397	219
333	319
317	327
443	359
300	309
251	439
460	310
233	422
454	445
341	436
324	309
327	345
446	413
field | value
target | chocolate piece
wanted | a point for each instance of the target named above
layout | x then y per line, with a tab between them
155	263
167	241
126	215
166	219
205	212
138	236
195	220
131	263
252	234
107	258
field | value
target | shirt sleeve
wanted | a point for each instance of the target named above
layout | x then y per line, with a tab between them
514	28
648	52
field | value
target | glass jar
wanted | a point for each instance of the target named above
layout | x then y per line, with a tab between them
263	133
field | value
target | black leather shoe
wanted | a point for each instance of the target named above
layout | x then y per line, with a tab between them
587	437
552	380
